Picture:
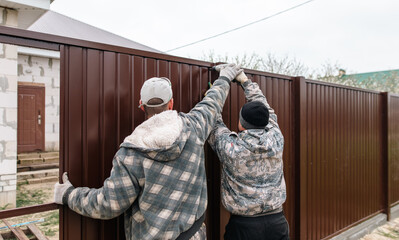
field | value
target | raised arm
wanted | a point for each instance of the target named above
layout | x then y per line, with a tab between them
204	114
253	93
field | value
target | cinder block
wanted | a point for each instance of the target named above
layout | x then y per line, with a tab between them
8	177
1	17
12	83
11	51
8	66
7	167
11	149
25	78
52	137
12	18
11	116
56	82
8	99
2	110
10	188
8	134
52	119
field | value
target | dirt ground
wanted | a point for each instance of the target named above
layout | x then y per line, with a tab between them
388	231
33	194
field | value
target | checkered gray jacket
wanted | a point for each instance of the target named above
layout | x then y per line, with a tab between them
158	176
252	163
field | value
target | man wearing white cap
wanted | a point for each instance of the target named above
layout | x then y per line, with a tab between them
158	177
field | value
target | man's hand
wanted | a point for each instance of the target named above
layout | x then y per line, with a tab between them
241	78
230	71
60	188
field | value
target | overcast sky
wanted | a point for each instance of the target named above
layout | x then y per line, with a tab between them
361	35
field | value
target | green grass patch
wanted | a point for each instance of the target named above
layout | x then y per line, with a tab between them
29	197
52	219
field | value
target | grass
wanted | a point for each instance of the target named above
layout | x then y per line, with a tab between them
29	197
4	207
52	219
393	233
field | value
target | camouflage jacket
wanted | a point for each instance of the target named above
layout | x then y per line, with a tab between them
252	162
158	176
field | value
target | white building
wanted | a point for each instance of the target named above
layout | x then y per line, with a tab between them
30	84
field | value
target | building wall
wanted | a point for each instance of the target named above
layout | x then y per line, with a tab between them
45	70
8	114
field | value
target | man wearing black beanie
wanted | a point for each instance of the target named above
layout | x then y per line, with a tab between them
253	185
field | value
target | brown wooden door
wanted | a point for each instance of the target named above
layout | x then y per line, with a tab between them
31	117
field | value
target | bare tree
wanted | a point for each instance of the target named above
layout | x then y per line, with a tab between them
328	72
270	63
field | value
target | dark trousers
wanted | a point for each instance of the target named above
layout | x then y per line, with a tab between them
268	227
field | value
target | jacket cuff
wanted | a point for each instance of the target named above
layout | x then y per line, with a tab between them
66	195
225	78
246	83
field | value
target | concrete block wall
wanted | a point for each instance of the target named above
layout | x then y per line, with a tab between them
8	114
45	70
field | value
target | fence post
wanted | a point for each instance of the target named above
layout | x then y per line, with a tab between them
300	152
385	153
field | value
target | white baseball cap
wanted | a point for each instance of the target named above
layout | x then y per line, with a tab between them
156	88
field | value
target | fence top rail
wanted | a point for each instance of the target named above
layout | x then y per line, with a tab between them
55	39
394	95
38	36
336	85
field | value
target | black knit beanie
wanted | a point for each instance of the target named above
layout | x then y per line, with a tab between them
254	115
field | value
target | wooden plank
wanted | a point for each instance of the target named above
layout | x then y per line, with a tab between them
36	231
18	234
10	235
21	233
1	238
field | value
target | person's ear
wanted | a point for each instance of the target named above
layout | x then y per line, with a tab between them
141	106
170	104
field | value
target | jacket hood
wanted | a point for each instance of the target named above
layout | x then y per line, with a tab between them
159	138
263	141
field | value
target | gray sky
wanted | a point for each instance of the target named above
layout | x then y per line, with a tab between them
361	35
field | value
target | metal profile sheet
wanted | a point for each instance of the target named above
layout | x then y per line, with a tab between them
102	91
100	109
343	134
393	149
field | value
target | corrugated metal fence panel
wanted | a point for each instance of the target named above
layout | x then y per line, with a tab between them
102	91
393	132
344	172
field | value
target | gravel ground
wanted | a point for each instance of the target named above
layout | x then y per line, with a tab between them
388	231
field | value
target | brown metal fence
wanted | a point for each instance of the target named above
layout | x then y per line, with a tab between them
336	151
341	170
393	149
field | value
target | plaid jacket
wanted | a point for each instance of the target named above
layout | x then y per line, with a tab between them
162	191
252	173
